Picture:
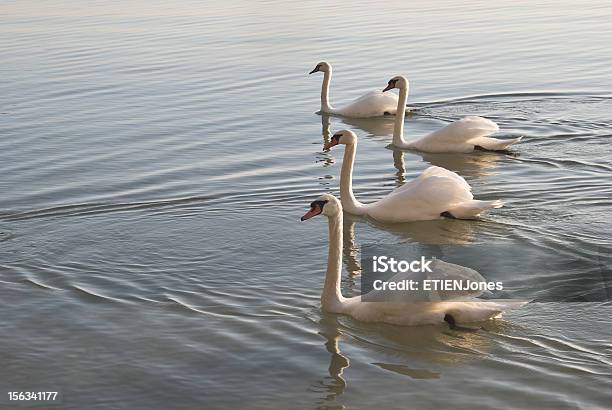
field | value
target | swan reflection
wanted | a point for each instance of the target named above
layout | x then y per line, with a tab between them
417	352
437	232
350	248
477	164
325	128
473	165
332	386
374	127
325	157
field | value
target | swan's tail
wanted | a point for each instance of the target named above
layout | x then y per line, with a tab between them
509	304
494	144
465	312
472	209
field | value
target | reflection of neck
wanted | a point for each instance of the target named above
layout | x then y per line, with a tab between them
325	106
331	298
398	163
350	249
349	202
398	129
325	125
338	362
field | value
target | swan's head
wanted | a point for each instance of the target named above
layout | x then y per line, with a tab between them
326	204
398	81
345	137
322	66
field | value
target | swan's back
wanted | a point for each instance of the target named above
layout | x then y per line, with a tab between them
456	136
440	270
372	104
443	172
422	313
435	191
417	308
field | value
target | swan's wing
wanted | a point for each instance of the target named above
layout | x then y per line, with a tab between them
372	104
377	96
397	296
426	291
425	198
435	186
457	135
431	172
495	144
462	276
466	129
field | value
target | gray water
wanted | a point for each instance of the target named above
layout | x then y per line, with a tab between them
155	159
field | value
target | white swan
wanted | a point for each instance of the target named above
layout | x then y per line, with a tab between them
435	194
372	104
396	311
465	135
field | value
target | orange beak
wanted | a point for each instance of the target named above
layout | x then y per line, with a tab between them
314	211
389	87
332	143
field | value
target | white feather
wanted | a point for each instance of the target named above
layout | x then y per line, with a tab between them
371	104
435	192
461	136
398	309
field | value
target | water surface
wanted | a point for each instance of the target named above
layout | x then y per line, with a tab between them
156	158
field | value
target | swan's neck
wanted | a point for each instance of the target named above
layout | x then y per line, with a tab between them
325	106
398	129
349	203
331	298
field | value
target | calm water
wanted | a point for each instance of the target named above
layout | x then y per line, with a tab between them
155	160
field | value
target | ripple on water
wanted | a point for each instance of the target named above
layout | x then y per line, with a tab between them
156	158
